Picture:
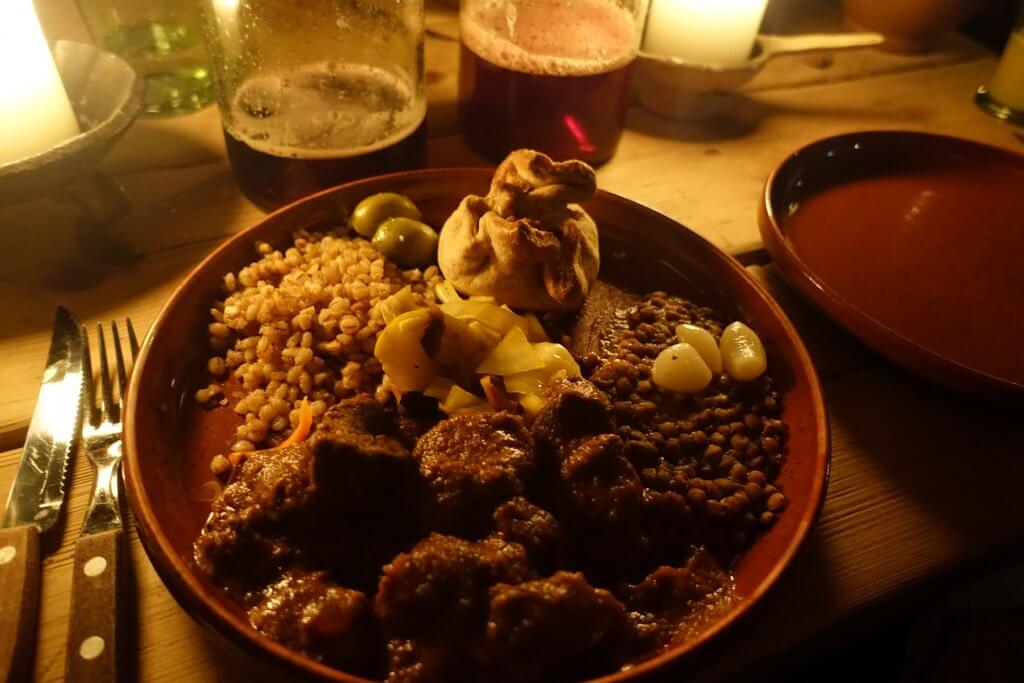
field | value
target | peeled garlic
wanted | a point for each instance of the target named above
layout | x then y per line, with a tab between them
706	346
742	353
680	368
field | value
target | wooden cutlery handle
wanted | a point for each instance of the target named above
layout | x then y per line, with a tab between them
96	603
19	593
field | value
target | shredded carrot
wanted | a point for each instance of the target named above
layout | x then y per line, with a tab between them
236	459
494	392
301	431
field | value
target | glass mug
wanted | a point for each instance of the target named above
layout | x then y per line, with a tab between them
550	75
1003	97
162	40
316	93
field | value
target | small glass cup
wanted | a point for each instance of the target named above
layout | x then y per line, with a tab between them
1003	97
162	40
550	75
317	93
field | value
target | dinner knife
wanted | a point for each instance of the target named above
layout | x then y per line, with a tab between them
37	494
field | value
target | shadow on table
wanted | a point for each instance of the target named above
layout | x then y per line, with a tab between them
177	217
956	457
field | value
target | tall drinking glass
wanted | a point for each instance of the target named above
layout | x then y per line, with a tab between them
162	40
1003	97
551	75
318	92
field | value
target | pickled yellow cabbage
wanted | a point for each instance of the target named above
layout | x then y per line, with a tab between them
499	319
398	303
514	354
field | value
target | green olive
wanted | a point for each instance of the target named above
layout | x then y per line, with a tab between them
377	208
407	242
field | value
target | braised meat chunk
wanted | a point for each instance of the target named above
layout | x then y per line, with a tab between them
575	408
602	485
310	613
671	599
547	628
441	584
600	321
520	521
471	463
426	661
362	459
247	537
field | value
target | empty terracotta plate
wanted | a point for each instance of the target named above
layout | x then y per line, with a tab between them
641	249
914	243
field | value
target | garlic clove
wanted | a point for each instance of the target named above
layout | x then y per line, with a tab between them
706	346
680	368
743	355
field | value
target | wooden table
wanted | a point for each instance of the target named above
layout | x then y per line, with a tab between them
922	483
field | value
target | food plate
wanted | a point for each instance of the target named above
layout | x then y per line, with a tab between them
641	250
912	242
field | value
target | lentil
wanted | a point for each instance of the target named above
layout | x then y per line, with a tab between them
719	448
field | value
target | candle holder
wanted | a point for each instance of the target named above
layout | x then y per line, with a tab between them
678	89
106	95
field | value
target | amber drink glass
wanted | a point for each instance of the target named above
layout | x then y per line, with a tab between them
317	93
550	75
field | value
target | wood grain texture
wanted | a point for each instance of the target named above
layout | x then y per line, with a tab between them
95	621
19	592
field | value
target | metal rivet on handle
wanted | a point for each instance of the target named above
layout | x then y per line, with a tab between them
91	648
7	553
95	566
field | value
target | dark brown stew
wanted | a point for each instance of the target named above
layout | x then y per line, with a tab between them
399	544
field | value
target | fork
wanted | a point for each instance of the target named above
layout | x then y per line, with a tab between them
96	589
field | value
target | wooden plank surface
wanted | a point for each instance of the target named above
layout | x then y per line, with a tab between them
913	486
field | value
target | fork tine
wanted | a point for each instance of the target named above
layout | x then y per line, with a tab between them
90	382
133	343
106	390
122	376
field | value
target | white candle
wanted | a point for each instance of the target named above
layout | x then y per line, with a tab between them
35	113
712	32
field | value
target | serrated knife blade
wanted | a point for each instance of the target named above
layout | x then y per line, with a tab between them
37	493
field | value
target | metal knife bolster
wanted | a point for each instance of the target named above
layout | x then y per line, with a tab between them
38	490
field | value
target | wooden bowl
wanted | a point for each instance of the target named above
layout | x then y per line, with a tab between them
640	248
909	25
900	286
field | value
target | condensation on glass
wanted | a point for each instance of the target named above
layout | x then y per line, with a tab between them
317	92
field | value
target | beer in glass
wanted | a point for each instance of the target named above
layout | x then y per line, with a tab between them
317	93
551	75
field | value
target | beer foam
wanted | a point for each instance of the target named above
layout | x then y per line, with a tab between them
589	37
326	110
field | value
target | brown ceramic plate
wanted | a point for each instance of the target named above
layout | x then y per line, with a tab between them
914	243
641	249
